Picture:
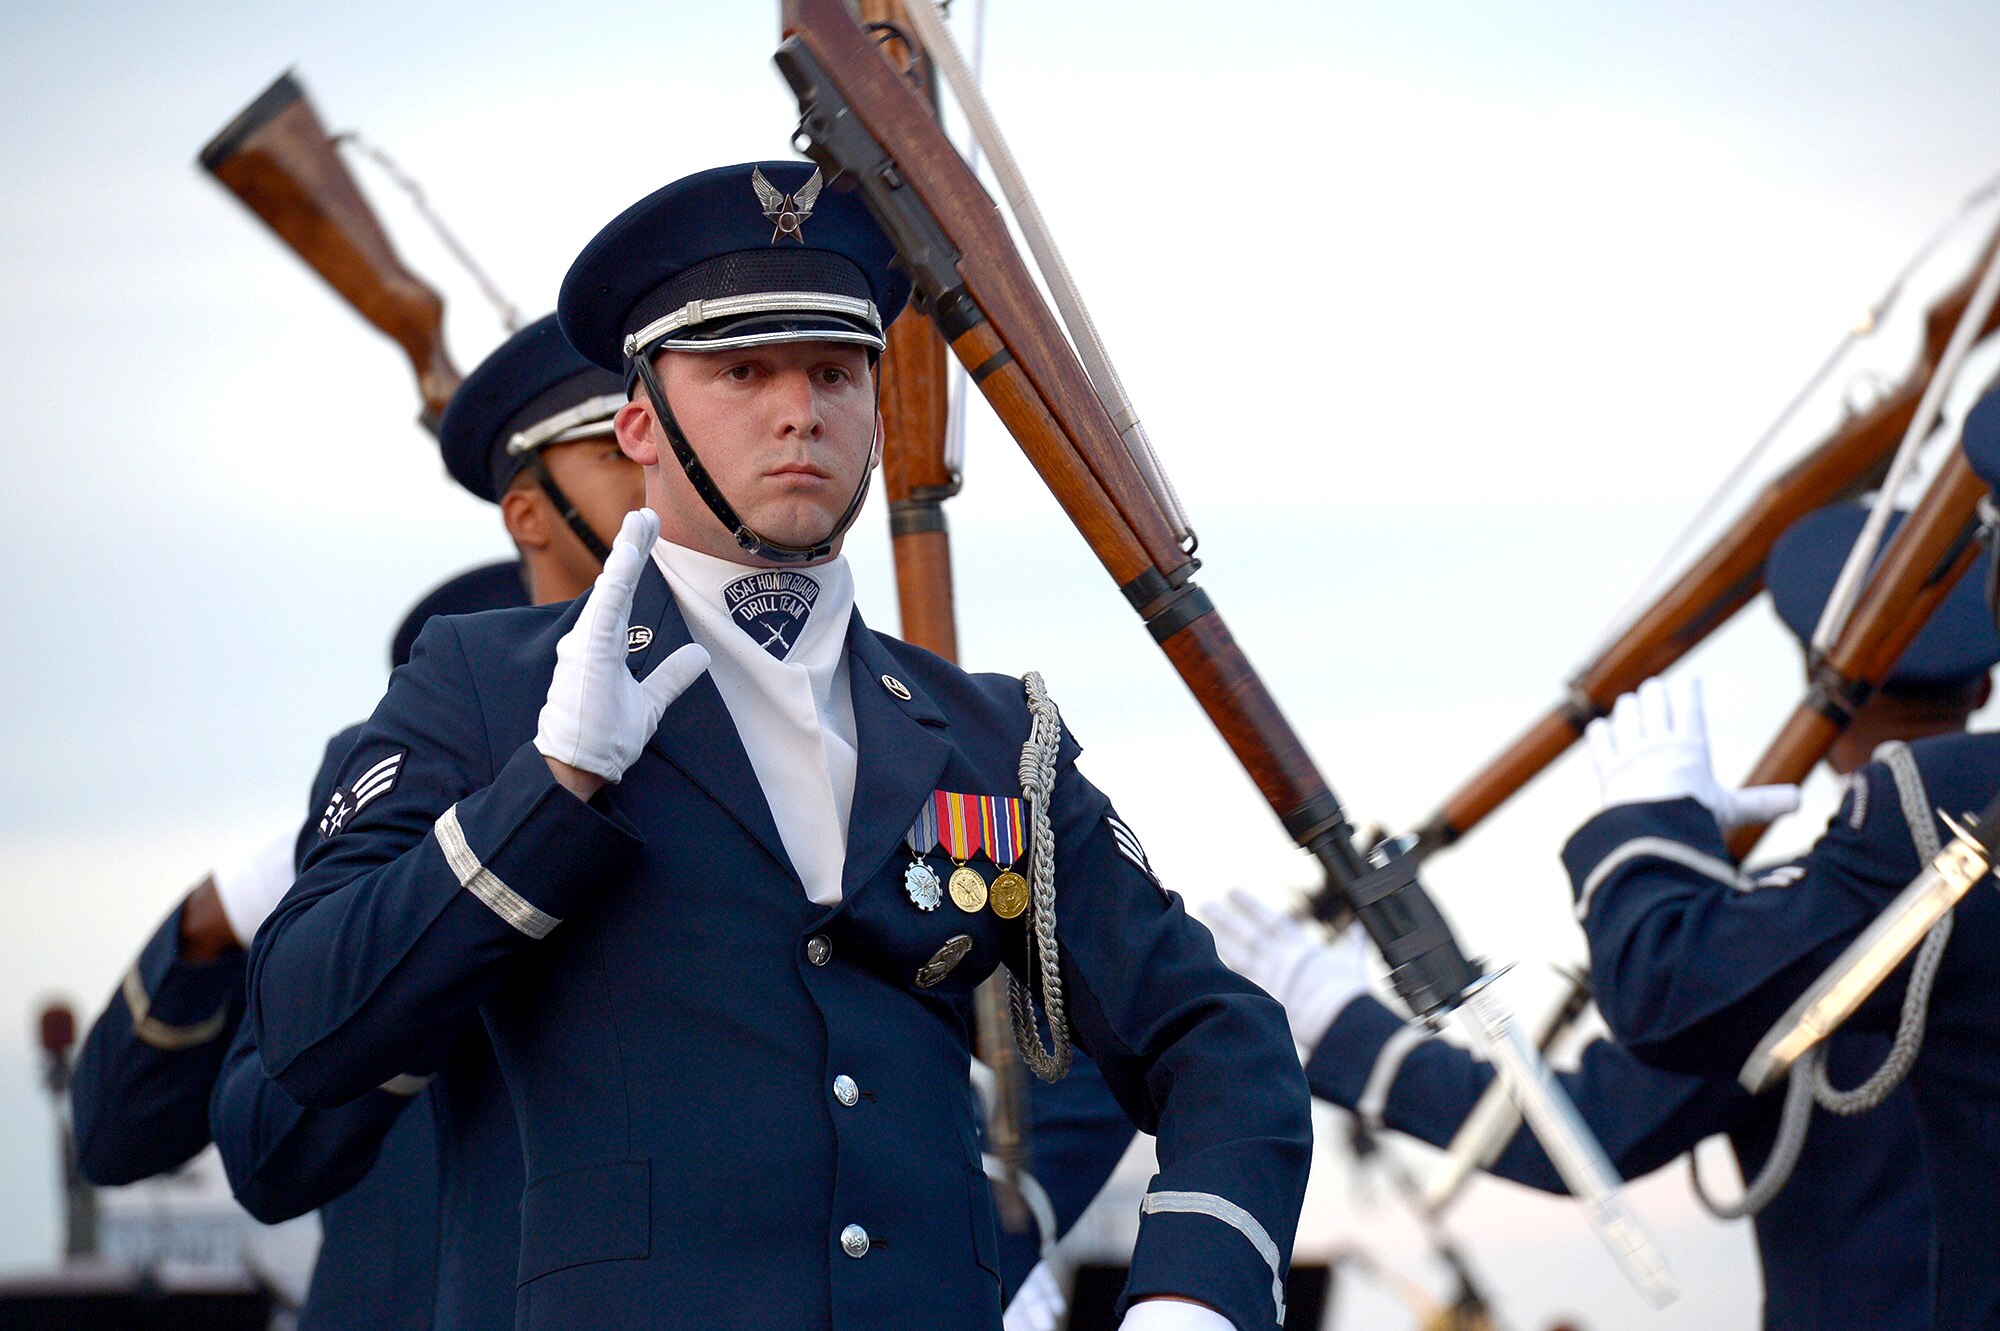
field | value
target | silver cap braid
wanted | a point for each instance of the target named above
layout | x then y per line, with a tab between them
1038	779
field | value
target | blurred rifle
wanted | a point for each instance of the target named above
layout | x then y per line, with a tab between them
277	158
1923	561
919	477
1720	582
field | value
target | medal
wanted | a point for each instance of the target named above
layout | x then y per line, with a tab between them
1002	817
920	880
961	831
968	889
1010	895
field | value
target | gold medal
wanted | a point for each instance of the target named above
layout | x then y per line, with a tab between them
967	888
1010	895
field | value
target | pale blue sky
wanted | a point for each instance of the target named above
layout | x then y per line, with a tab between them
1443	316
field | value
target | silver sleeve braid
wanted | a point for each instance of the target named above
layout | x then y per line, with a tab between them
1038	779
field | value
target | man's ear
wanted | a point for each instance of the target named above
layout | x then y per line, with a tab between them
875	451
636	437
525	511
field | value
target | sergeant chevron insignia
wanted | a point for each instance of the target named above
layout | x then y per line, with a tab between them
351	799
1128	846
788	212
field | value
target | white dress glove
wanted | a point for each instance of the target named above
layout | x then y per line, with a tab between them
1654	746
250	887
1290	961
597	717
1039	1304
1173	1315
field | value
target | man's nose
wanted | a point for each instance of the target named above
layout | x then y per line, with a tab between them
799	407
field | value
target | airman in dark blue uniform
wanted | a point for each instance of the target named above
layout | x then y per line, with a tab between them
1693	960
671	843
169	1042
529	430
1846	1241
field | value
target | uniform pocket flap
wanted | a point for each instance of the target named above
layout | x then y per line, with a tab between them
600	1213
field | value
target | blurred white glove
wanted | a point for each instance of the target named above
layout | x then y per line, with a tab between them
1038	1305
1173	1315
1290	961
597	717
251	886
1654	746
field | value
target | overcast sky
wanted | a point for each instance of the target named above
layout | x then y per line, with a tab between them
1443	316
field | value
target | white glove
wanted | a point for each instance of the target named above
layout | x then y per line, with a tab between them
1173	1315
1654	746
1038	1305
1289	961
251	886
597	717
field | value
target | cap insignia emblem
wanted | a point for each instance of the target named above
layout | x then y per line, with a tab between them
788	212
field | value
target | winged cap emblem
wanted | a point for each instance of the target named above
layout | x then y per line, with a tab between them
788	212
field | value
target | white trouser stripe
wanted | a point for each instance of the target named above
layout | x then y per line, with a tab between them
1382	1077
1229	1213
1722	871
477	879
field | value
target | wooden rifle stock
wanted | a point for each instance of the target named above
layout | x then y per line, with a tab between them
862	122
276	157
915	472
1726	577
1929	553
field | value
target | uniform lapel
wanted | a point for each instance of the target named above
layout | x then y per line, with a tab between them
901	747
697	735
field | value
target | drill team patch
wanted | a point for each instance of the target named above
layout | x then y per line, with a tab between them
772	607
370	786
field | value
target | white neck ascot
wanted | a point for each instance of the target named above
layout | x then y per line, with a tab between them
777	646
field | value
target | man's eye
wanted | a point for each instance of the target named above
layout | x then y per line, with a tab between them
739	373
834	374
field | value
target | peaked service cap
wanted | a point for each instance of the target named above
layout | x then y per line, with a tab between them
534	390
735	256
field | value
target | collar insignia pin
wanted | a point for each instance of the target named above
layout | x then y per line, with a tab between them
896	686
788	212
638	638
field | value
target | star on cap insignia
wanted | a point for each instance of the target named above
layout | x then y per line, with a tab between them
788	212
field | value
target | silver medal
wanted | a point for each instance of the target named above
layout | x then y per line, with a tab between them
921	882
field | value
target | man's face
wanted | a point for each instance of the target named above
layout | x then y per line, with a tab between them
786	431
599	480
604	485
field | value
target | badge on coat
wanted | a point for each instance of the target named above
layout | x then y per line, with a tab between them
772	607
351	799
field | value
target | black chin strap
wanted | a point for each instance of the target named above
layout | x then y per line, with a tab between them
711	494
590	539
